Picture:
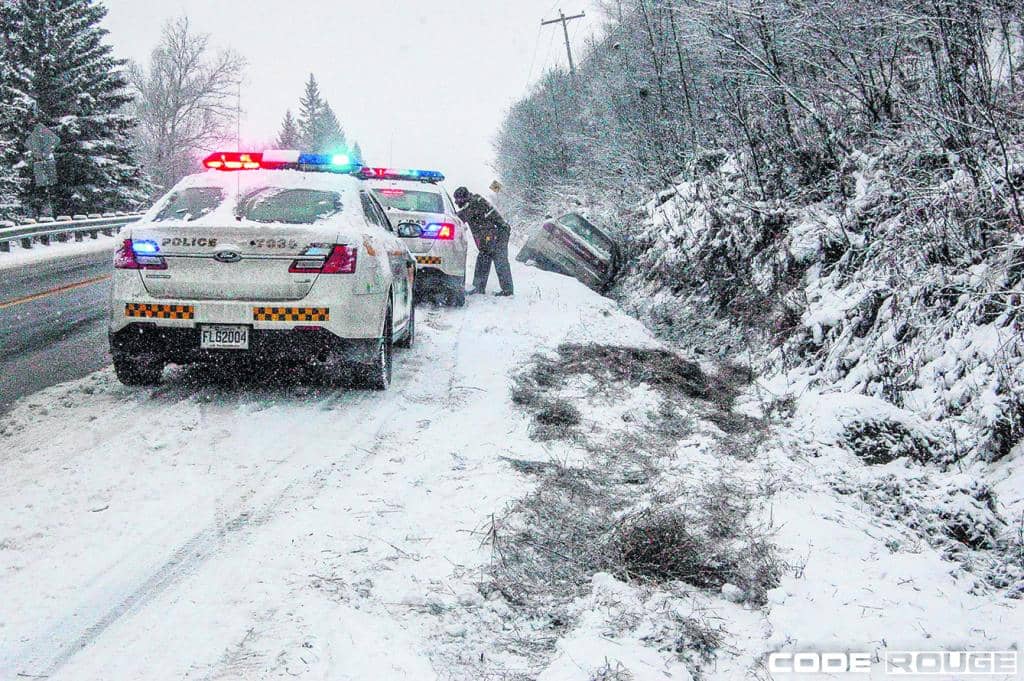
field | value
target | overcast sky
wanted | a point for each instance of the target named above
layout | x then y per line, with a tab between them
425	81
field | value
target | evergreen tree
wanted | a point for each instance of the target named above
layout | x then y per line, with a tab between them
331	136
357	154
12	115
311	111
319	129
289	137
78	89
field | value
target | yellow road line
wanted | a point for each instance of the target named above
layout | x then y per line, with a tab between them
59	289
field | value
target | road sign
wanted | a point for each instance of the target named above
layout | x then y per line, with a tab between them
45	171
42	141
496	187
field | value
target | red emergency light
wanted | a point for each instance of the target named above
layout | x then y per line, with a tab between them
233	160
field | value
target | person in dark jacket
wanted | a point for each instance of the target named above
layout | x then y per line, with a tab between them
491	233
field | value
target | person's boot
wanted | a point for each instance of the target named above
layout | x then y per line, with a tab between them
474	291
504	294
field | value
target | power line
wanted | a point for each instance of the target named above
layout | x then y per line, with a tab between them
533	61
564	20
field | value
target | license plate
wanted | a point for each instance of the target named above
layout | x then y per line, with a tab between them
224	337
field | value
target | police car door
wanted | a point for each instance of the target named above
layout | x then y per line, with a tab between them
403	267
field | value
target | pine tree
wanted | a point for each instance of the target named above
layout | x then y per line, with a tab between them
331	136
319	129
12	115
357	154
289	137
78	89
311	111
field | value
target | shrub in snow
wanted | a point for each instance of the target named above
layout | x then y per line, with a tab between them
709	547
879	441
954	514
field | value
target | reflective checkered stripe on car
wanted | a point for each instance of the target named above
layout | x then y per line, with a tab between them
291	314
153	311
428	260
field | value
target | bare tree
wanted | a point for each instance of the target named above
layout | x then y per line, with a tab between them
185	101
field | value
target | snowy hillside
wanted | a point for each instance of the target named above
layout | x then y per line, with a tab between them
912	337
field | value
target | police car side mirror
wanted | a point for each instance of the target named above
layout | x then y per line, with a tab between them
409	230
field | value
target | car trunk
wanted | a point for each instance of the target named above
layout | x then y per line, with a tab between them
230	263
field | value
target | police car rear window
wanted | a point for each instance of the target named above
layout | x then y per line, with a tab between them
288	206
190	204
411	201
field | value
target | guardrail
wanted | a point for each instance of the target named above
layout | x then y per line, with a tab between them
63	229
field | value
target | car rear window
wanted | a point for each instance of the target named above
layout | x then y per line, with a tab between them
190	204
288	206
588	233
411	201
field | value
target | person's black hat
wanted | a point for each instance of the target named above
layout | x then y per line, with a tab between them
461	195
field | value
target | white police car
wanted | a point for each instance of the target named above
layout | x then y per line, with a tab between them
426	220
273	255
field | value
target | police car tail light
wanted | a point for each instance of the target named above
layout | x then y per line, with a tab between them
233	160
445	231
399	174
140	255
341	260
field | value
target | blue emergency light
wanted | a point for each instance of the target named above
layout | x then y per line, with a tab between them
393	174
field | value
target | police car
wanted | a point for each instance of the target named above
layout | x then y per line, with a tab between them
272	255
426	220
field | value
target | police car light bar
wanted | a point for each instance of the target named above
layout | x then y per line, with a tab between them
392	174
273	159
233	160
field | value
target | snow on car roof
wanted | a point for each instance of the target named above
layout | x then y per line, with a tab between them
241	183
406	185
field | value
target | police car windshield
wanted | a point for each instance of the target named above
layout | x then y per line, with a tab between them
289	206
411	201
190	204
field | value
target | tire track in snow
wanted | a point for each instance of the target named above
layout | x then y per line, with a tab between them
47	653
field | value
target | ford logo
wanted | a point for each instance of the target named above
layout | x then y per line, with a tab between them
227	256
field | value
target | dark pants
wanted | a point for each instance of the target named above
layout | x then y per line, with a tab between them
493	250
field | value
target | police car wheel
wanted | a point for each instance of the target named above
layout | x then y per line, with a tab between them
378	375
410	334
455	299
135	370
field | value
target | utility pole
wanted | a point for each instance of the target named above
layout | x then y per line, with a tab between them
564	21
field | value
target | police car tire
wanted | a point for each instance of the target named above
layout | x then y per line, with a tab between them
378	374
457	299
410	334
136	371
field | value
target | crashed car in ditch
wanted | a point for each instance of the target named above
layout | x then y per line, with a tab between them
574	246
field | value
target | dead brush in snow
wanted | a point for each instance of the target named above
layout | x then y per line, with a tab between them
660	369
707	546
548	545
880	441
612	673
958	518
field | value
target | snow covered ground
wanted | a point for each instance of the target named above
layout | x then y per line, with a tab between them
208	530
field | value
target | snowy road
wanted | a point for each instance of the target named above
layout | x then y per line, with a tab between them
201	530
52	322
